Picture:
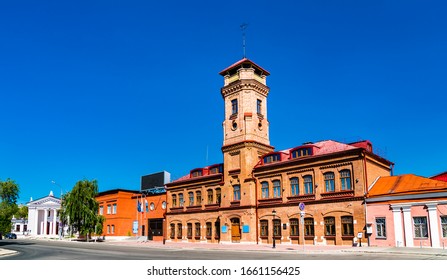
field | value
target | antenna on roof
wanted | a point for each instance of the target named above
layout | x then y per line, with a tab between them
243	27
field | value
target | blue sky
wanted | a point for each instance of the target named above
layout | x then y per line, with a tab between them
113	90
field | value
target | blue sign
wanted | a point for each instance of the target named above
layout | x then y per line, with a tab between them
245	229
301	206
224	229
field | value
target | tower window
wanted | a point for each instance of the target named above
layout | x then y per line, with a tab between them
259	106
234	106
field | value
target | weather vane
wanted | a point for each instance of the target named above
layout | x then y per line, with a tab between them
243	27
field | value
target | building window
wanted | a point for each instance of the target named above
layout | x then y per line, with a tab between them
264	228
174	200
108	229
209	230
189	230
329	181
272	158
294	187
197	230
380	228
191	198
172	231
101	210
308	185
259	106
210	196
345	178
444	226
114	208
347	226
329	226
265	190
234	106
420	227
236	192
216	169
276	227
309	227
109	209
113	229
301	152
179	231
276	188
196	173
199	198
218	195
181	201
294	228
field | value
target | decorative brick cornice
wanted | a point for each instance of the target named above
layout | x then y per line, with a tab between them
245	85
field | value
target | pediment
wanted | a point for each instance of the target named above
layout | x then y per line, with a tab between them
45	202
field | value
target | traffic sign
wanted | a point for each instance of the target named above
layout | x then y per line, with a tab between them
301	206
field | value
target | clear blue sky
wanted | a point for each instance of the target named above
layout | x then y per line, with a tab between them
113	90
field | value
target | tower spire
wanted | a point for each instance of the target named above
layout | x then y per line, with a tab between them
243	27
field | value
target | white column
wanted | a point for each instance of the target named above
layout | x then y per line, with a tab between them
398	230
54	221
45	222
408	226
36	223
433	225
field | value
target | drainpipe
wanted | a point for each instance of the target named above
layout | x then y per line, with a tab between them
365	190
256	205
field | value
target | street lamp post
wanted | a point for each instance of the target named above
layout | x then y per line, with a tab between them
274	216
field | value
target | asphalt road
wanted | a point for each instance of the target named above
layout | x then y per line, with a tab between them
56	250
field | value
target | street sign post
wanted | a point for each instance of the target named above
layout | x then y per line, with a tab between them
302	213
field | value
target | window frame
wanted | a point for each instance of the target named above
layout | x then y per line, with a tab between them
294	187
264	228
347	225
265	189
236	192
329	181
277	193
345	180
420	226
329	226
308	184
294	227
380	227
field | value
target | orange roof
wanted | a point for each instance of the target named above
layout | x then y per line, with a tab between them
405	184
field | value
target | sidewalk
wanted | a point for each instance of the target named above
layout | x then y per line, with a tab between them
293	248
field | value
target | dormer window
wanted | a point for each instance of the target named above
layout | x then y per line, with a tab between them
272	158
196	173
302	152
216	169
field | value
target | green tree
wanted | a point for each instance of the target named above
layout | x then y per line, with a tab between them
9	193
80	208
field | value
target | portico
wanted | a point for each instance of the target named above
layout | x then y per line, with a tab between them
43	216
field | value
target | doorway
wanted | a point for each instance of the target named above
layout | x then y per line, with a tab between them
235	230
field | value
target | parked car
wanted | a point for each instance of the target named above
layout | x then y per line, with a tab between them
10	236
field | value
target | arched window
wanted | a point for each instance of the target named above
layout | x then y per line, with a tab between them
236	192
210	196
198	197
329	181
294	187
294	228
191	198
345	178
174	200
265	190
329	226
276	188
181	201
308	184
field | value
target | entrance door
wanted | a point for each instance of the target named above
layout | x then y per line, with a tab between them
235	230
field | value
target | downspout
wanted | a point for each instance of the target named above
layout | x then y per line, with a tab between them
256	206
365	190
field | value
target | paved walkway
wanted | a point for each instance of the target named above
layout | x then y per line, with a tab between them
310	249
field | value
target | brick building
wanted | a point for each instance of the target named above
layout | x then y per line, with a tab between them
132	213
254	195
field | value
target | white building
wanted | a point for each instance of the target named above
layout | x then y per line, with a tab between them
43	217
